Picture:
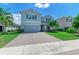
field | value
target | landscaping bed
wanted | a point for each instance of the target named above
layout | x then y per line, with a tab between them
7	37
63	35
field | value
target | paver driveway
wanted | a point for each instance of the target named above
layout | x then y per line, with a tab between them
32	38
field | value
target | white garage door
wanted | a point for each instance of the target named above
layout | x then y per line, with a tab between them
32	28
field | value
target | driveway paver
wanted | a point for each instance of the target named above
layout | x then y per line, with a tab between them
32	38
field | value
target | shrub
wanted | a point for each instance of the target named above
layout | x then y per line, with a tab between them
70	30
60	29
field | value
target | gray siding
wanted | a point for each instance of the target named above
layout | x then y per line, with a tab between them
30	25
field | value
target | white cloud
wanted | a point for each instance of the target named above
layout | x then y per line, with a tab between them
42	5
47	5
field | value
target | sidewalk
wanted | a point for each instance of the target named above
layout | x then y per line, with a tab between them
42	48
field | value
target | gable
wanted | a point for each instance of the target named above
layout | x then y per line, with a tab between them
31	11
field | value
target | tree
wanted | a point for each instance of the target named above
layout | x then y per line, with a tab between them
54	24
5	18
76	24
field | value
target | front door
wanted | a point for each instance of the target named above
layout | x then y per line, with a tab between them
42	28
48	28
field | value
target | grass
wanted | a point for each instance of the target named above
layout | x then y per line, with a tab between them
63	35
6	38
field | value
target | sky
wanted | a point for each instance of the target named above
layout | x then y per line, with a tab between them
56	10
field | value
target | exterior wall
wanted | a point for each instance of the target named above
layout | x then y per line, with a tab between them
64	23
30	25
11	28
45	21
47	18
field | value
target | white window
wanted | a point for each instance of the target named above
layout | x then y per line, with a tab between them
66	19
35	17
27	16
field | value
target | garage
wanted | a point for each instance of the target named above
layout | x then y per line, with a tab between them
32	28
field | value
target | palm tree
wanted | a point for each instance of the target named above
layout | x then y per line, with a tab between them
5	18
54	25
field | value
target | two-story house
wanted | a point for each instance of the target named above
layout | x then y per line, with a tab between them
32	21
65	22
44	21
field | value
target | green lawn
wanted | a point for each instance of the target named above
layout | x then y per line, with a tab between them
63	35
5	38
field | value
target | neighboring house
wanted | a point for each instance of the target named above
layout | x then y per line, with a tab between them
32	21
14	27
3	29
65	22
44	21
9	28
